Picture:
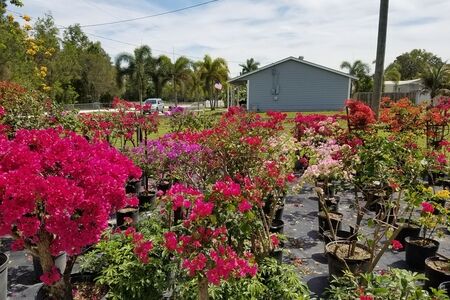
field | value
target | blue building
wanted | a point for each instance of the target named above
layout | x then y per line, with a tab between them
294	84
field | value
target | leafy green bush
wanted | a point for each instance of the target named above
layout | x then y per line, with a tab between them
273	282
124	274
395	284
181	119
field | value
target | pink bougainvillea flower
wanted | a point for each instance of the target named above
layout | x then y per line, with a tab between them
427	207
244	206
396	245
142	249
171	242
51	277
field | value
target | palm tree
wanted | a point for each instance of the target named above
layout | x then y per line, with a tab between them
358	69
160	73
249	66
180	73
196	83
436	78
211	72
135	67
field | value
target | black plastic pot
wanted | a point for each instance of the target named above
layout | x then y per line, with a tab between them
416	253
164	185
337	265
146	200
279	213
60	263
373	200
332	204
341	235
132	187
335	219
129	212
328	189
410	230
277	226
277	254
3	275
434	275
434	178
445	286
384	212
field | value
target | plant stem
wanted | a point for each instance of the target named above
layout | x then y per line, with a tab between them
202	288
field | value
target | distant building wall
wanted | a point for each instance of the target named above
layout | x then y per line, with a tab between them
294	86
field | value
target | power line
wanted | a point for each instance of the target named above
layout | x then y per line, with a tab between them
151	16
132	44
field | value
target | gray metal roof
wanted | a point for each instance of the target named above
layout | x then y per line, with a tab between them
241	77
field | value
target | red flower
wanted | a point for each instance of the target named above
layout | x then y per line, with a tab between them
366	297
275	240
244	206
427	207
171	242
142	249
253	140
360	115
396	245
51	277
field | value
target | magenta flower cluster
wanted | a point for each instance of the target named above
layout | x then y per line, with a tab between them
58	185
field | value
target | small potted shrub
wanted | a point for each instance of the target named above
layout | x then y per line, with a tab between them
437	270
420	248
389	284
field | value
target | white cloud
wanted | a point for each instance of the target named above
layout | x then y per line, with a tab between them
323	31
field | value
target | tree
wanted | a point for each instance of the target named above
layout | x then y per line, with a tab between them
436	78
195	83
249	66
361	70
392	73
180	74
414	63
160	73
15	65
136	67
213	71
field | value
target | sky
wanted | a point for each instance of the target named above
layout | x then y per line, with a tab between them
324	32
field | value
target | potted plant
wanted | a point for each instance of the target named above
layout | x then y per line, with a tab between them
437	270
420	248
388	284
68	181
4	260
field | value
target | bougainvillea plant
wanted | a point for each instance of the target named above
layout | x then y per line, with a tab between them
402	115
57	191
203	243
359	115
126	124
437	120
23	109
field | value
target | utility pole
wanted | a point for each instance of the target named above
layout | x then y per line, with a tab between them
173	77
381	49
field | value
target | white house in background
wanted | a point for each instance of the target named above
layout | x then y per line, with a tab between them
407	86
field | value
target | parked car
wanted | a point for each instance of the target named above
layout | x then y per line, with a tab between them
153	104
